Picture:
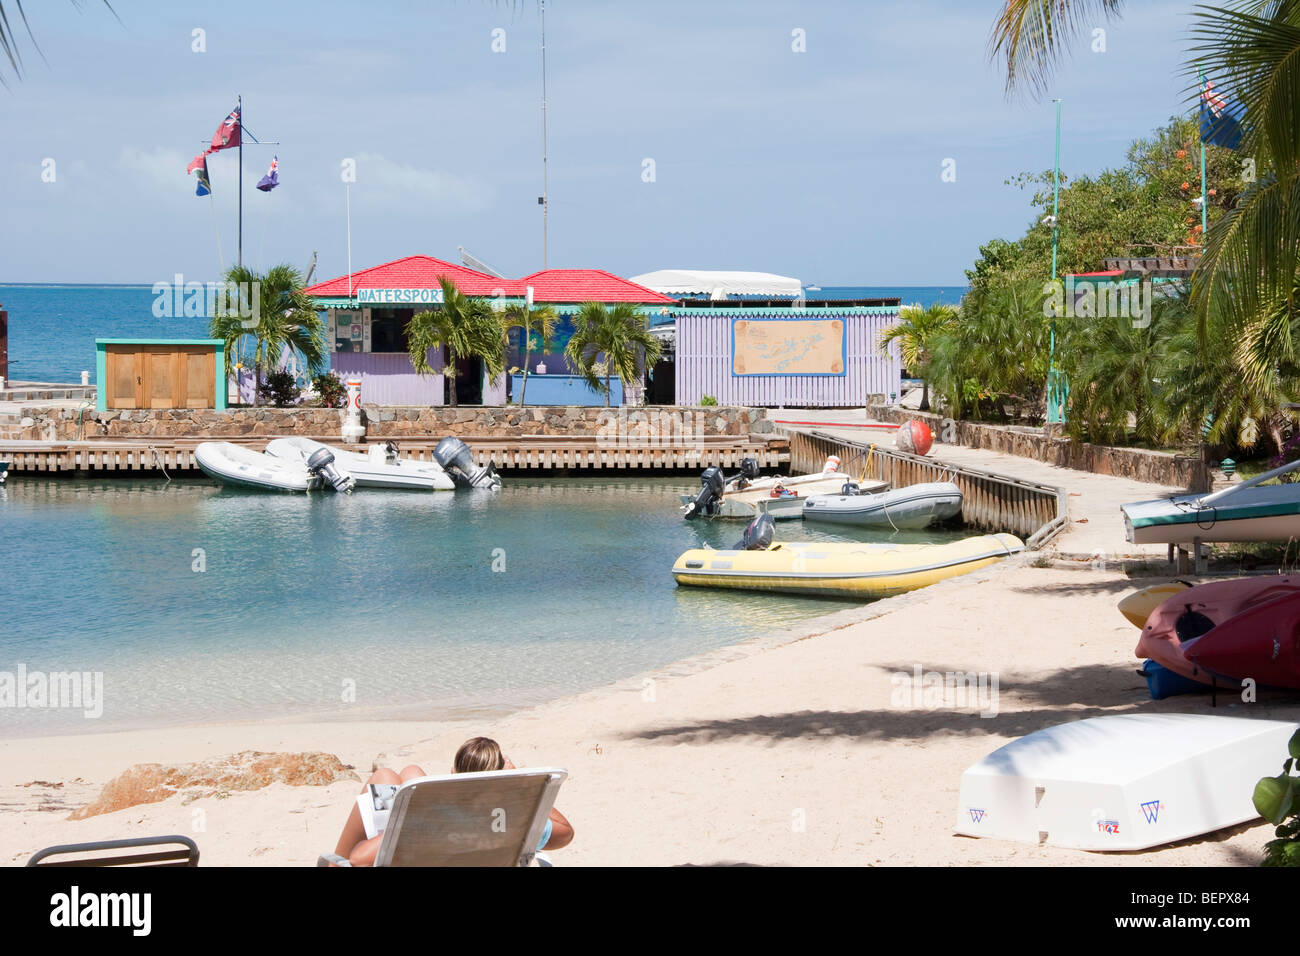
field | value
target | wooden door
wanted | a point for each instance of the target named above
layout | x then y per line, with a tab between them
200	379
123	372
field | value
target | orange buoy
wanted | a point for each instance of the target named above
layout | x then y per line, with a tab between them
915	438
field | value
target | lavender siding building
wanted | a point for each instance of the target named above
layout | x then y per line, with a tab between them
809	356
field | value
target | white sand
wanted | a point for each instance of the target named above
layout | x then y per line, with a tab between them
734	749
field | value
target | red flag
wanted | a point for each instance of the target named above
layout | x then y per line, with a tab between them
227	134
197	161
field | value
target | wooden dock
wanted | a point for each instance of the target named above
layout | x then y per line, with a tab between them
509	455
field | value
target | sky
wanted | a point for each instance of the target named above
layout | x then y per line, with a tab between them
682	135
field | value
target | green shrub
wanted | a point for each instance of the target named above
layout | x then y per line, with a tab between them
280	389
1275	799
708	400
330	390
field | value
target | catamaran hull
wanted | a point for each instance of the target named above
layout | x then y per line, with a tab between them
862	571
1264	513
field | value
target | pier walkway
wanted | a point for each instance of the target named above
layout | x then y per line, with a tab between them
1096	526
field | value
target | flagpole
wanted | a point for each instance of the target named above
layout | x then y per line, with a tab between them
546	197
1055	414
241	179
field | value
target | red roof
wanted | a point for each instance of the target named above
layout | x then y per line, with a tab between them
413	272
549	285
1109	272
587	285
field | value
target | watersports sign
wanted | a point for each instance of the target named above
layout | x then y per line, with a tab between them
413	296
788	347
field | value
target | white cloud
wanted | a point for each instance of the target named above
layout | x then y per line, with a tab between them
398	184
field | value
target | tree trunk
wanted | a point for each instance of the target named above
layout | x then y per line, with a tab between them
528	357
609	384
925	396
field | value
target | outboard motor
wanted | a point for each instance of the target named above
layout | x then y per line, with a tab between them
712	485
851	488
758	535
458	461
321	464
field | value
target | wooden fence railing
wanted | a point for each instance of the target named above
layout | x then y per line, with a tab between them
990	502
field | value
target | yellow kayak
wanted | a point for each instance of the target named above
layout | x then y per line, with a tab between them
864	571
1137	607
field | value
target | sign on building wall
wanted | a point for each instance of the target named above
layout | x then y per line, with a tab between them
788	347
399	296
349	330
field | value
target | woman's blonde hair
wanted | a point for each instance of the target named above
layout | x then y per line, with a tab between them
478	754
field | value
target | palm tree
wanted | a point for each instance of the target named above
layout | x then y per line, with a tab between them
274	313
1031	35
540	321
620	334
467	328
1249	268
916	333
9	42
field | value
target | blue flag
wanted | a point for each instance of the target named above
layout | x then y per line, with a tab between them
1220	118
272	177
204	187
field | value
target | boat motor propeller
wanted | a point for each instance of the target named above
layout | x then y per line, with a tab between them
713	484
321	464
758	534
458	461
850	489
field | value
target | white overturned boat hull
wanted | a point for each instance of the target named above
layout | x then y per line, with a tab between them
903	509
233	464
1125	782
368	471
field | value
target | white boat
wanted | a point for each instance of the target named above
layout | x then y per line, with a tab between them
380	467
910	508
746	496
1124	782
1250	511
233	464
4	471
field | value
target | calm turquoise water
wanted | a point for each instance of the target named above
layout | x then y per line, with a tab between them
393	592
52	328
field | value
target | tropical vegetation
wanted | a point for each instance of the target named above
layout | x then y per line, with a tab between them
536	325
916	333
464	328
263	316
621	335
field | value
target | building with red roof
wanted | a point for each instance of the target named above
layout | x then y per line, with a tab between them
367	312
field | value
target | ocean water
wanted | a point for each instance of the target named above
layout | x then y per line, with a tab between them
52	328
197	603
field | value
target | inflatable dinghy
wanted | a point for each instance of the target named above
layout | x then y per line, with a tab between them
911	508
380	467
746	496
233	464
851	570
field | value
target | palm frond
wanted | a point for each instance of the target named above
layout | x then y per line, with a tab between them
1031	36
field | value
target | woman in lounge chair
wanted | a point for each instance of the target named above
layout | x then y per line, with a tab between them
475	755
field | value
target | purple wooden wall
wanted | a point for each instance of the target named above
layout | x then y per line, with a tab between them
704	364
387	378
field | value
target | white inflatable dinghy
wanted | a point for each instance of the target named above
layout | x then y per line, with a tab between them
1124	782
233	464
380	467
910	508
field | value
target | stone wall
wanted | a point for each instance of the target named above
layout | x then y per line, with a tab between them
67	423
1156	467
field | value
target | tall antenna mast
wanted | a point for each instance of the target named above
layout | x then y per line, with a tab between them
239	247
545	197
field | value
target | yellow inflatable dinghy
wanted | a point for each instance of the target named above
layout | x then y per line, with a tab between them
864	571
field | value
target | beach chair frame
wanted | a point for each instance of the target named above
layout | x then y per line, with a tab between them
184	853
423	830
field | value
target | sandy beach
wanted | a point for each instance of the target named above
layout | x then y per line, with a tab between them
790	749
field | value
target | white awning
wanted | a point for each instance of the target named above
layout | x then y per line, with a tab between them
719	285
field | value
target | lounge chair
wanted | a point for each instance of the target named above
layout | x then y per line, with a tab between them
184	852
493	818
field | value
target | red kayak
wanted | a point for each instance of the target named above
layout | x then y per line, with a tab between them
1259	643
1178	624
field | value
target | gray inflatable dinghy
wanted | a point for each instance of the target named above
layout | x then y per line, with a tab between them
902	509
